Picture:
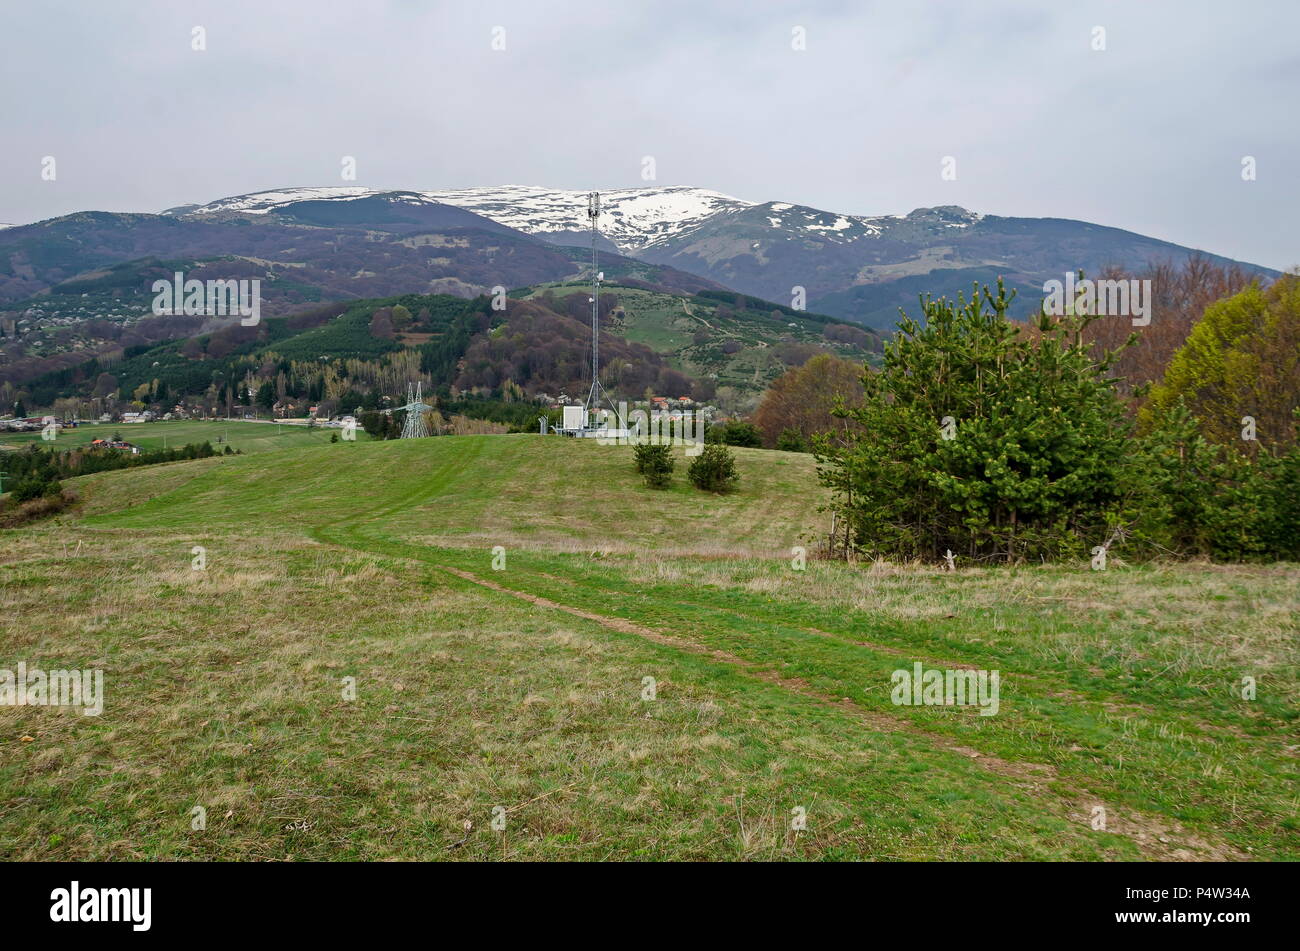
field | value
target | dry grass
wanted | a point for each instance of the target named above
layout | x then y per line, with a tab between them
224	686
223	690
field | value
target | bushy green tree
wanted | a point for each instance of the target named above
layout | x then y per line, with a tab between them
735	433
992	440
655	462
35	486
714	469
1195	497
402	318
791	440
380	425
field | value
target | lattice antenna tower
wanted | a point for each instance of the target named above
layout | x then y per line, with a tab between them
597	398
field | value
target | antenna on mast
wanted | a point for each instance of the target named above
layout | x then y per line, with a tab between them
597	396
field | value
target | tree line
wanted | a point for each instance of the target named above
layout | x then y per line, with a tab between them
37	473
999	442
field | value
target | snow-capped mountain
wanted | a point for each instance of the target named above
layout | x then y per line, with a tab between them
855	266
842	229
260	203
632	218
636	220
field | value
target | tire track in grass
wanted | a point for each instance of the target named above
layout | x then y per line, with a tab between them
1112	701
1155	838
1053	705
1158	825
1108	699
347	530
436	476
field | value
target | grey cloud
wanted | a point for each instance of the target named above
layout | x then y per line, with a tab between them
1147	135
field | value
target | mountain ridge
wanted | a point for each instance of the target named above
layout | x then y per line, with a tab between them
774	248
633	218
334	243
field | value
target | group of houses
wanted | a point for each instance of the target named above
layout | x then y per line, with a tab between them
671	403
28	424
121	444
663	403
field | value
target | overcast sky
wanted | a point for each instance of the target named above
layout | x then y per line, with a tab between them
1148	134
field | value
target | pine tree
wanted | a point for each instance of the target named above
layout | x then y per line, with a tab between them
994	440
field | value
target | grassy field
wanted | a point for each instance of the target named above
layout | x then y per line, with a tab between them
522	693
239	434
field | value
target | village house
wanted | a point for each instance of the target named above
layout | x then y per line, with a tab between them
115	444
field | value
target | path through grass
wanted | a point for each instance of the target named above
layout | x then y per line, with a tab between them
524	688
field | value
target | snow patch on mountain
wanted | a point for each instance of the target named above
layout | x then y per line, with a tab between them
261	203
841	223
633	218
825	224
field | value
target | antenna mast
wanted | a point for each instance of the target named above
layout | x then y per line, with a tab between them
597	394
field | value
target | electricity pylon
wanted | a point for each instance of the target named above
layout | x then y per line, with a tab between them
415	426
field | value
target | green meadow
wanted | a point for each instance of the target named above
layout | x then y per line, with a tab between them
239	434
507	647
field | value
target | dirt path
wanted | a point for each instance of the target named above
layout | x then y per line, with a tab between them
686	306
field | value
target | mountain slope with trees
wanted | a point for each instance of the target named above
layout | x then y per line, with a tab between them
362	354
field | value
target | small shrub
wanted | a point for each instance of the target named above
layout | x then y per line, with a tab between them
36	486
16	514
714	470
735	434
655	463
791	440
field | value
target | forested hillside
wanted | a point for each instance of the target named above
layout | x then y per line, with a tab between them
338	357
